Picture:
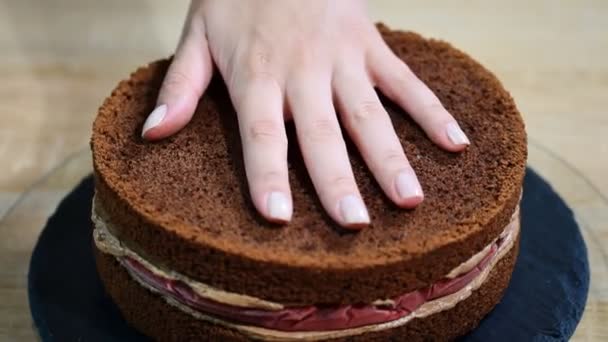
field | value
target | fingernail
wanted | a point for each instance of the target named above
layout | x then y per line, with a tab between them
407	185
279	206
154	119
353	210
456	135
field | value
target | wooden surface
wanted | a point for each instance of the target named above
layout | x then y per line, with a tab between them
60	58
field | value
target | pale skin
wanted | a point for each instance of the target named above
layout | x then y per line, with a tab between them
309	62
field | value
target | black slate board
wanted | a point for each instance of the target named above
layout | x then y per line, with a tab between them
544	301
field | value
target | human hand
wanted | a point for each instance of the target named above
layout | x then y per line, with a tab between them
288	59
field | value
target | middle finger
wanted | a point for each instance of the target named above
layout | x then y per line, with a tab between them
323	149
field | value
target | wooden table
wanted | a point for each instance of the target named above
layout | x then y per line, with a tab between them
60	58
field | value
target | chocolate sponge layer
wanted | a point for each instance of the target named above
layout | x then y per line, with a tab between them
183	202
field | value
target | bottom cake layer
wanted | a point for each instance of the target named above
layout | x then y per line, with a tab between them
150	314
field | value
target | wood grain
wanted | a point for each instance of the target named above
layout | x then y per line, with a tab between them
60	58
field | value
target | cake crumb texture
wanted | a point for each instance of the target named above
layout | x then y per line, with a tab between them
184	204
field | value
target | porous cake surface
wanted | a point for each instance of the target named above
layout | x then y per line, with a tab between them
183	202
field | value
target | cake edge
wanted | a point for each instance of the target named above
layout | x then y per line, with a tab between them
151	315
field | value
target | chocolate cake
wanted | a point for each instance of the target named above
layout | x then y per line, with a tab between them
184	255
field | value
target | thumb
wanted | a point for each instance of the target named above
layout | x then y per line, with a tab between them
187	78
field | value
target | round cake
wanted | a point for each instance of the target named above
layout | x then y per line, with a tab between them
184	255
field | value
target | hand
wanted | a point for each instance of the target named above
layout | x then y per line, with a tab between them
289	59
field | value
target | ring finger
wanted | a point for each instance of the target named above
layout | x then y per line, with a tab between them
371	129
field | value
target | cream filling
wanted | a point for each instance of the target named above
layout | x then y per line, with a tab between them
428	308
458	270
109	244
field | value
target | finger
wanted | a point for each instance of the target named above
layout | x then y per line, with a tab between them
259	104
324	150
396	80
371	129
186	79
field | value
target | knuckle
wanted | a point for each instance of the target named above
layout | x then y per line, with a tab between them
435	112
257	57
261	180
405	76
393	76
367	110
304	58
265	80
247	87
393	158
360	28
258	62
179	81
271	177
322	131
342	182
265	77
400	74
261	131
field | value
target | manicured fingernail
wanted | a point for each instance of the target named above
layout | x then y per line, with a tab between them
353	210
279	206
408	186
456	135
154	119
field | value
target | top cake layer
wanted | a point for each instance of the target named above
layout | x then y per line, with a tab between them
184	203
